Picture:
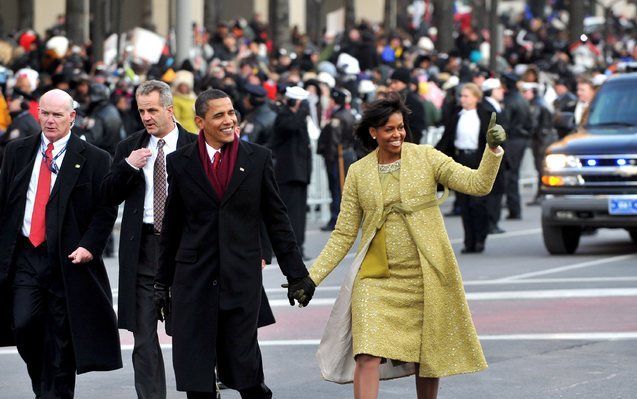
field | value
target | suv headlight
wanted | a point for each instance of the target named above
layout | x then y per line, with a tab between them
561	161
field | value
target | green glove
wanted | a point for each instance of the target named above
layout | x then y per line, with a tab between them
495	133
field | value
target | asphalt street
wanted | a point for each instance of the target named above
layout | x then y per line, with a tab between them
551	326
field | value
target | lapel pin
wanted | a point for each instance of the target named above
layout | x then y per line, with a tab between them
241	169
77	166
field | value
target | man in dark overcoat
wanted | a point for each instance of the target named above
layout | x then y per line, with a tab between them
221	191
290	144
138	178
56	294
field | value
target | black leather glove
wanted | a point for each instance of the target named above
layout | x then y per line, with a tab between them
301	289
161	297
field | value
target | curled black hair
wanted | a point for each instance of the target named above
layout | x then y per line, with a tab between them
377	113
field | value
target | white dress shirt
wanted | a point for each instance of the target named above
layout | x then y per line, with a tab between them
59	147
496	105
211	151
467	130
580	107
170	146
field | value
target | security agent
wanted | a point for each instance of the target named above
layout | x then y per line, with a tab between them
290	143
336	145
257	126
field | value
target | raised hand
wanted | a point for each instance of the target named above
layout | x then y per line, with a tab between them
495	133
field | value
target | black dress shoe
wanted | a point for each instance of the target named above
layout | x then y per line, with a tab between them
496	230
467	250
327	227
479	248
514	217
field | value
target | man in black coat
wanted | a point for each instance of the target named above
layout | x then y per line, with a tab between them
257	126
132	180
400	81
23	124
517	123
339	131
221	191
493	98
290	143
55	289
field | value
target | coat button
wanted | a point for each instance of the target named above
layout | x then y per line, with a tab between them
132	238
214	282
134	211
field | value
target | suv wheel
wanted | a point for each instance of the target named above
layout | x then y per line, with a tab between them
561	240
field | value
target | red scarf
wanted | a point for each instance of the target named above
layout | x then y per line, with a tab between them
221	178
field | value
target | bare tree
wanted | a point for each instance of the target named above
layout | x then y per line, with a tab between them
443	19
389	21
494	34
76	14
279	11
350	14
211	14
575	20
147	15
480	15
25	14
314	19
99	16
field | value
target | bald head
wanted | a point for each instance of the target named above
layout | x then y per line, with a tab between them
56	114
57	95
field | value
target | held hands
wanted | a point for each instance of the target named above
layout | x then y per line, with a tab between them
495	133
80	255
300	289
161	297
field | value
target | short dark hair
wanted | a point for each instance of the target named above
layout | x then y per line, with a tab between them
201	104
377	114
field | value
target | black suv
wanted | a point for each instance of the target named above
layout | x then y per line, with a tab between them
590	176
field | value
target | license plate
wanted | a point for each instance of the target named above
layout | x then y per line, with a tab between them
622	205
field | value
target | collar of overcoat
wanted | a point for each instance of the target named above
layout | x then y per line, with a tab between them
242	168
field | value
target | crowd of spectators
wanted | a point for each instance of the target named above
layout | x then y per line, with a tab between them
361	63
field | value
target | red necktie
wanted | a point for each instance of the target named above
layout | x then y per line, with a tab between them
216	160
38	219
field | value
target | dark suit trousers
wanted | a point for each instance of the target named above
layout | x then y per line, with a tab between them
150	377
473	210
294	196
41	324
334	182
513	153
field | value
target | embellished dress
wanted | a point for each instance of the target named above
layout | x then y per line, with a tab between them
387	313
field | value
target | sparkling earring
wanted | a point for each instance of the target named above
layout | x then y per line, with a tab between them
374	137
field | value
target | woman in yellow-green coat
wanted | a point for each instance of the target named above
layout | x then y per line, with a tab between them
402	308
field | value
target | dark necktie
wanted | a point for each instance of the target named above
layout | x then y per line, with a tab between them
159	185
38	218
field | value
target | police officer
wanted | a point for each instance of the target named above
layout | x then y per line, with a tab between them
336	145
257	126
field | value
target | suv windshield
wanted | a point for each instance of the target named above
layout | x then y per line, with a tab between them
614	107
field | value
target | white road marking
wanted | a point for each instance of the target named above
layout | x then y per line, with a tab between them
569	267
580	336
507	295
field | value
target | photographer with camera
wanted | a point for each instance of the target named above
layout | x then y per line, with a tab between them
290	144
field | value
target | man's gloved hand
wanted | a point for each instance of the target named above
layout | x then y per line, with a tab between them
161	297
495	133
301	289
